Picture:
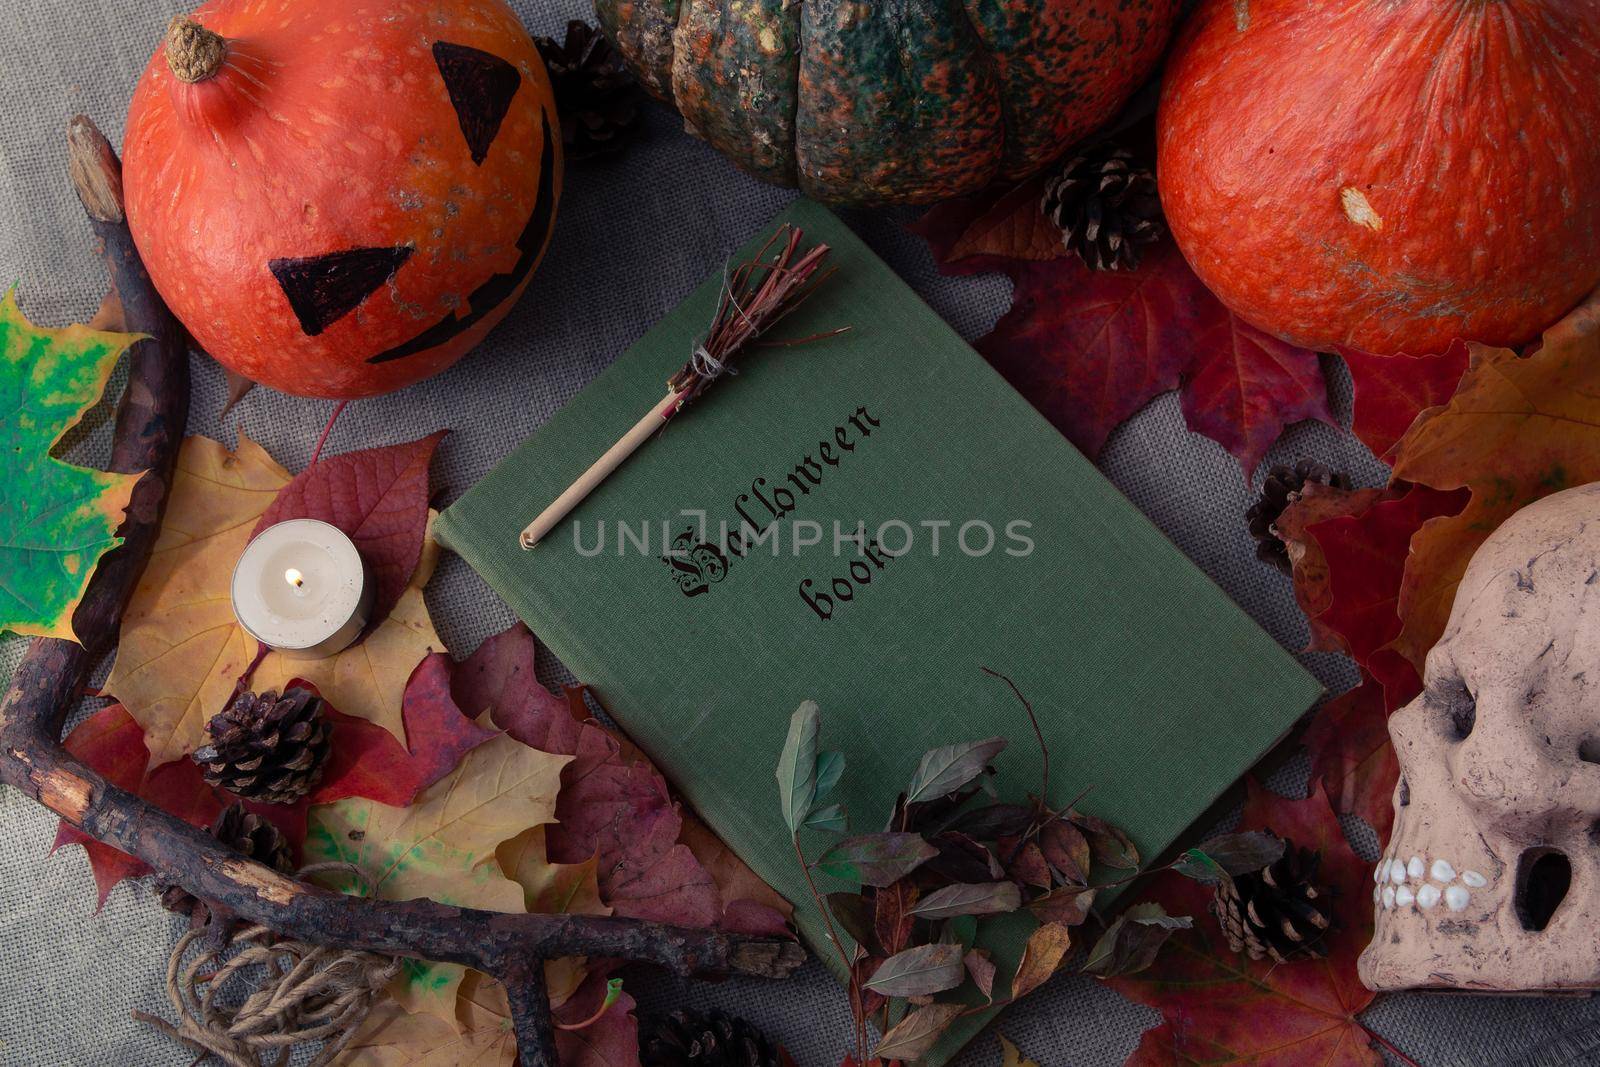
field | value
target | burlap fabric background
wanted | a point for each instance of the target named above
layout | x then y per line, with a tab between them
632	239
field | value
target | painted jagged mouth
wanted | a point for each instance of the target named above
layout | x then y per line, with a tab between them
492	293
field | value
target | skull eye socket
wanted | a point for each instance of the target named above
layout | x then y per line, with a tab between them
1543	877
1459	705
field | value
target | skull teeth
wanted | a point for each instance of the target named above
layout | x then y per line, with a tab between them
1399	883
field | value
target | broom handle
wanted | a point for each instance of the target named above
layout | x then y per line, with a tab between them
600	469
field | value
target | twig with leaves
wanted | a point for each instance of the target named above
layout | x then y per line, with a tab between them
912	930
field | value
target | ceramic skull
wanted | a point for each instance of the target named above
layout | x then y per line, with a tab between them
1491	880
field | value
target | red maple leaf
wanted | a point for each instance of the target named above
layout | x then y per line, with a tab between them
178	788
1351	755
613	803
499	678
1221	1008
1245	386
377	496
1090	348
1365	555
367	761
623	812
1391	391
110	742
364	760
1497	409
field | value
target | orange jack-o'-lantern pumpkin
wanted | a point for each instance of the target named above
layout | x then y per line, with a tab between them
341	197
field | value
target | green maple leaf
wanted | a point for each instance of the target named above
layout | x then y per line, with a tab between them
56	520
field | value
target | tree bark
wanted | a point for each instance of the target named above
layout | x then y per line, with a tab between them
531	1020
150	422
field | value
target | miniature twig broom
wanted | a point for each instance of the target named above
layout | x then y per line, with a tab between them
754	296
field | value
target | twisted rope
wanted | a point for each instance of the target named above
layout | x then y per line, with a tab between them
301	993
707	366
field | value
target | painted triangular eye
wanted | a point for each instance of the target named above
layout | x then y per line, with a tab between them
481	87
323	289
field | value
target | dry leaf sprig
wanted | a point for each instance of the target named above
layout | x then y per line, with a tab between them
926	885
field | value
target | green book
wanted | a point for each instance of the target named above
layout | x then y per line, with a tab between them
970	534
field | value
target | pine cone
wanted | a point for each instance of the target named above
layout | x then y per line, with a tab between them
1106	205
247	833
265	747
1281	488
596	97
714	1039
1278	911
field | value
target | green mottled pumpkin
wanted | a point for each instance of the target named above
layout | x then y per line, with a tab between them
890	101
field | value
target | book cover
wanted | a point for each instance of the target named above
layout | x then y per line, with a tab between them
868	521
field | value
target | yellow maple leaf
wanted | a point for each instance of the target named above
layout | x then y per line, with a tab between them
1518	428
1011	1056
554	889
368	679
480	1035
181	650
443	846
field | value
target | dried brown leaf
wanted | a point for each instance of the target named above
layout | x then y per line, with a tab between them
1046	949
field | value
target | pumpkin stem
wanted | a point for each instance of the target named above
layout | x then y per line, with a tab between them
193	52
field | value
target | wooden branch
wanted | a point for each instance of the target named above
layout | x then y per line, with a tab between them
530	1014
149	428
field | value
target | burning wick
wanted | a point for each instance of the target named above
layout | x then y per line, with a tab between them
295	579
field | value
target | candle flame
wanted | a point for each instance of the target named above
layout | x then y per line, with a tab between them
294	577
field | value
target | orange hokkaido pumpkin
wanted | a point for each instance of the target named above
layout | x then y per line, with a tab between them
340	197
1387	175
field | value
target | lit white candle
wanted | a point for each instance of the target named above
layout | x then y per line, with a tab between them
300	587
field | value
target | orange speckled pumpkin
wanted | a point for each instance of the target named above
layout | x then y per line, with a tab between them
890	101
1387	175
341	197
